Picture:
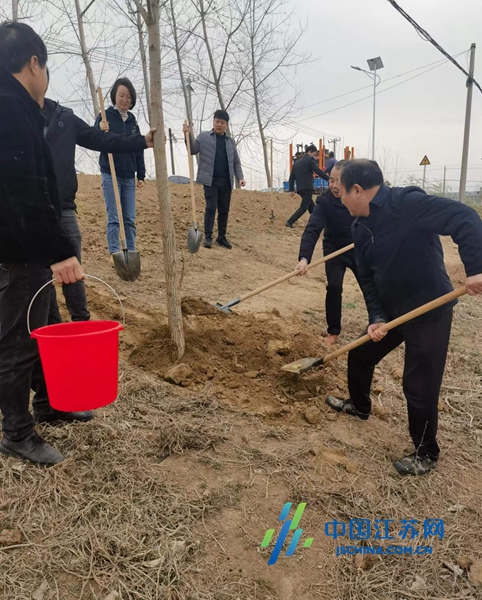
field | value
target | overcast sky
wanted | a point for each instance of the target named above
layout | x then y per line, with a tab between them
423	116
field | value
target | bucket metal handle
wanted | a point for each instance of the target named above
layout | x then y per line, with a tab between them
85	275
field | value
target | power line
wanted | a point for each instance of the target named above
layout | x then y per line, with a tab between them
381	92
442	61
425	35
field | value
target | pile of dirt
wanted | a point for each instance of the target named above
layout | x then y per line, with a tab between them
240	357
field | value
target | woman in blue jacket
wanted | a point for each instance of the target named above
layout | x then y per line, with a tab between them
122	121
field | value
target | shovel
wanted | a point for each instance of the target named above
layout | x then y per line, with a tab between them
226	307
194	237
305	364
127	263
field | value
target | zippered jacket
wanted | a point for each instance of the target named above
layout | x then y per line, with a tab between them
399	253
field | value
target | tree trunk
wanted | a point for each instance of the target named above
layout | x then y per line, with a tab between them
174	312
14	10
85	58
145	72
256	97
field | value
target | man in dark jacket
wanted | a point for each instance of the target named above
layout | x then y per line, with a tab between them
33	245
331	216
330	163
219	163
401	267
63	131
302	173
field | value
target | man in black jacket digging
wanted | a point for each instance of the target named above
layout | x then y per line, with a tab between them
331	216
302	173
33	245
63	131
401	267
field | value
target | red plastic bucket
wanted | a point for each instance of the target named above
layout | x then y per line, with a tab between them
80	361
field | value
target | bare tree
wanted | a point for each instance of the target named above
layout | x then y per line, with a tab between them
270	42
85	53
434	187
151	13
178	49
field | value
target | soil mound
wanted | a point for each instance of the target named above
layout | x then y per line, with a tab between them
240	357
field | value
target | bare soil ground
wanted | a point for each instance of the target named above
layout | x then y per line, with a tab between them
168	492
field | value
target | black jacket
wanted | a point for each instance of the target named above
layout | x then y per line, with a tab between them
332	216
126	165
30	209
64	131
399	253
302	172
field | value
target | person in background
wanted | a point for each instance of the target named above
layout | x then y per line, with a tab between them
219	163
63	132
330	163
333	217
302	173
401	267
33	244
121	121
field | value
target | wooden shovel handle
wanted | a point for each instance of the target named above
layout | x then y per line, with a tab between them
191	178
320	261
417	312
123	242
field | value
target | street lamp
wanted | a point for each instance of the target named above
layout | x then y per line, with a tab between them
374	64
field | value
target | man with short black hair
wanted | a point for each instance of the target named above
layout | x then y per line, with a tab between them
33	245
401	267
219	163
334	219
302	173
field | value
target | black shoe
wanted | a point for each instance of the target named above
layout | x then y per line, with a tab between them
222	241
415	464
208	242
345	406
33	448
288	224
53	416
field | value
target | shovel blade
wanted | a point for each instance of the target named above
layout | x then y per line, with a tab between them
127	264
194	239
302	365
224	308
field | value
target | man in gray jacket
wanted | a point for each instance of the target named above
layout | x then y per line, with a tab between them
218	164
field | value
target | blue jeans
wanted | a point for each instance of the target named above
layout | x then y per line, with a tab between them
127	192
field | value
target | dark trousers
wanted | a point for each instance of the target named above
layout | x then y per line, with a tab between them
335	274
307	204
74	293
20	368
218	197
426	345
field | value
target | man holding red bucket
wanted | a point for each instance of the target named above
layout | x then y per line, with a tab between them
33	244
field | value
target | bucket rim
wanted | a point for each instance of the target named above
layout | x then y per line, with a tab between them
39	332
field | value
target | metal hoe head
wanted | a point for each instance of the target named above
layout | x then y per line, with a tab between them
194	239
224	308
302	365
127	264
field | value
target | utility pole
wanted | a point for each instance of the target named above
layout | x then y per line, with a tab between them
172	151
445	174
334	141
468	112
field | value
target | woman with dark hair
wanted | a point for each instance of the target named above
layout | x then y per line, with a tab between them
121	121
